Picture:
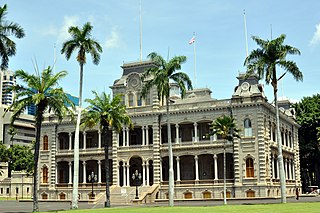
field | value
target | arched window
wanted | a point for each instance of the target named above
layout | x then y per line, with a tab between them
247	127
139	100
249	168
130	100
250	193
123	99
45	142
45	175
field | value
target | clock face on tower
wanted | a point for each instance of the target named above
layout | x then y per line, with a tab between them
134	80
245	86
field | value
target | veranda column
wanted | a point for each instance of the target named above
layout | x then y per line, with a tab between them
160	137
143	136
147	135
195	124
196	166
285	168
99	171
70	140
178	168
128	174
84	140
160	169
84	172
124	136
70	172
215	157
118	179
177	133
56	173
143	173
99	138
277	168
124	174
128	141
147	166
289	169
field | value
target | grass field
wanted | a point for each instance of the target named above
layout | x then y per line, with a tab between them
313	207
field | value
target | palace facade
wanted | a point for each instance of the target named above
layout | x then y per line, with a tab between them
252	165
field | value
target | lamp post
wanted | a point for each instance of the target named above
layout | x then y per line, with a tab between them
92	178
136	176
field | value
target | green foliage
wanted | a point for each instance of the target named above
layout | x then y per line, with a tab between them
4	154
21	158
8	46
308	116
163	73
226	127
106	112
263	61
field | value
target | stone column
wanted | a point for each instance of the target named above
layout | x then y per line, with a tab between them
285	168
147	166
143	173
56	176
70	140
195	124
177	133
215	157
99	171
84	172
84	140
124	173
178	168
124	137
196	166
160	169
118	179
99	138
147	135
70	172
128	174
143	136
128	138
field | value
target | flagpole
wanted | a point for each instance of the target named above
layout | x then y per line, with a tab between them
140	32
245	31
194	53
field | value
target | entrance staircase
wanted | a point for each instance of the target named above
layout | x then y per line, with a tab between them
121	196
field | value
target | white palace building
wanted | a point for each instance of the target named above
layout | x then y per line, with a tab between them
252	166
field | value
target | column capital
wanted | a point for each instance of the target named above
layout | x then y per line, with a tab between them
84	163
196	157
177	158
99	162
84	132
177	125
70	133
215	156
70	163
99	131
195	124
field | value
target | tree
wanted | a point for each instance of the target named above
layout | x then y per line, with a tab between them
308	117
225	126
160	77
263	62
107	113
40	90
82	41
4	155
21	158
7	46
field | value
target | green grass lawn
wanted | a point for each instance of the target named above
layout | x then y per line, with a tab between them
313	207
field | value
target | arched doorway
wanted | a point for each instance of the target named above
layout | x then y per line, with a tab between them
135	164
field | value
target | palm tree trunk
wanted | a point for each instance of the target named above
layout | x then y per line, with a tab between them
171	177
106	159
279	143
76	148
36	159
224	175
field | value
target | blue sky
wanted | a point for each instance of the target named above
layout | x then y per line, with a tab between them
167	24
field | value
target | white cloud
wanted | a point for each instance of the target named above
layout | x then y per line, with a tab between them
113	40
316	37
63	31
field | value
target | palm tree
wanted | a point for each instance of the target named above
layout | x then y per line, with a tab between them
263	62
225	126
107	113
40	90
160	77
82	41
7	46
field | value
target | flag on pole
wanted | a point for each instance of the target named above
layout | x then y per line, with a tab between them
192	40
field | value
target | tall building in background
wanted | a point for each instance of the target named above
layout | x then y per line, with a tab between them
75	101
7	80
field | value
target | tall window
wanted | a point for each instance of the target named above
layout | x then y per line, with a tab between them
139	100
249	168
130	100
247	127
45	142
45	175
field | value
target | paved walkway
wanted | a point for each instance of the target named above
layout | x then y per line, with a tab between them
25	207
